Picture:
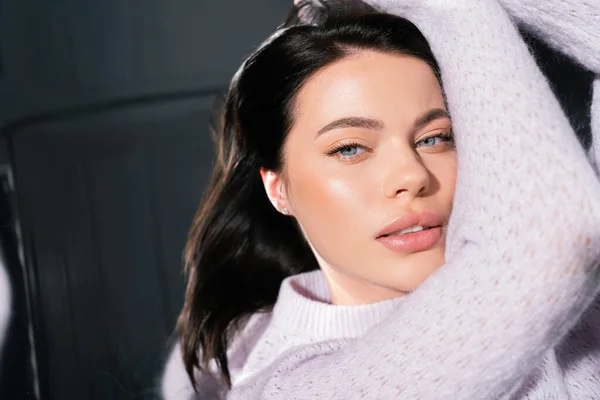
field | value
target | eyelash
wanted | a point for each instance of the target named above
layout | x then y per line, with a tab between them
342	146
446	136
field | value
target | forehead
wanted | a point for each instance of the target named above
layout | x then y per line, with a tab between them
373	84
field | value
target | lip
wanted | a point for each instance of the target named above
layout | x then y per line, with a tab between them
426	219
413	242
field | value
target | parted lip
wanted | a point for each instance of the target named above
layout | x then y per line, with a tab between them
426	219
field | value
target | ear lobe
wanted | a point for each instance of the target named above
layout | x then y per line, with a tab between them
273	184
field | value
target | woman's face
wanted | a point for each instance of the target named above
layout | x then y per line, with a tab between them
368	151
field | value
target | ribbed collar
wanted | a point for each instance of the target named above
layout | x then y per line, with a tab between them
303	306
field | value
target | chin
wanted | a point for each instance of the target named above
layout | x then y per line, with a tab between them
415	270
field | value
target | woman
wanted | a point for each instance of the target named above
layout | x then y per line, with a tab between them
336	154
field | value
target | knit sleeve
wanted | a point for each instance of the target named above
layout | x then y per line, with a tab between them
176	385
572	27
522	244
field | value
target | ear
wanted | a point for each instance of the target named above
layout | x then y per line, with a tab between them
275	190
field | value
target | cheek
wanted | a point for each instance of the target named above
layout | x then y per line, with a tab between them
323	194
329	201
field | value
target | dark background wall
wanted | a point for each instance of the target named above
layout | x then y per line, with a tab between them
104	108
104	153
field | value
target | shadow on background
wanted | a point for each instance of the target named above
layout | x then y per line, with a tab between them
105	151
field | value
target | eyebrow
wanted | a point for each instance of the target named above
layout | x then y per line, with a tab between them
352	122
375	124
431	115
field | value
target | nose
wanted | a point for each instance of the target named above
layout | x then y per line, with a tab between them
405	176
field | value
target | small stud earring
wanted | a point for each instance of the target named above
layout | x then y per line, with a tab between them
285	211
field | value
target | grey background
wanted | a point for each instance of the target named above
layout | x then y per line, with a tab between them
104	111
103	137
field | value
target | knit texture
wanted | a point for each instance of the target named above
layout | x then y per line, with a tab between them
511	315
572	27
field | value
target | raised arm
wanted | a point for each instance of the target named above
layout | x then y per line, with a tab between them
570	26
523	242
573	27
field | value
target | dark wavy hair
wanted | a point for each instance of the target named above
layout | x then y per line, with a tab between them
240	248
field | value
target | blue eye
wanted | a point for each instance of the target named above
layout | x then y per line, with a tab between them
435	140
432	141
347	151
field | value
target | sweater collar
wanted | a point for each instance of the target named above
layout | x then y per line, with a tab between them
304	306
